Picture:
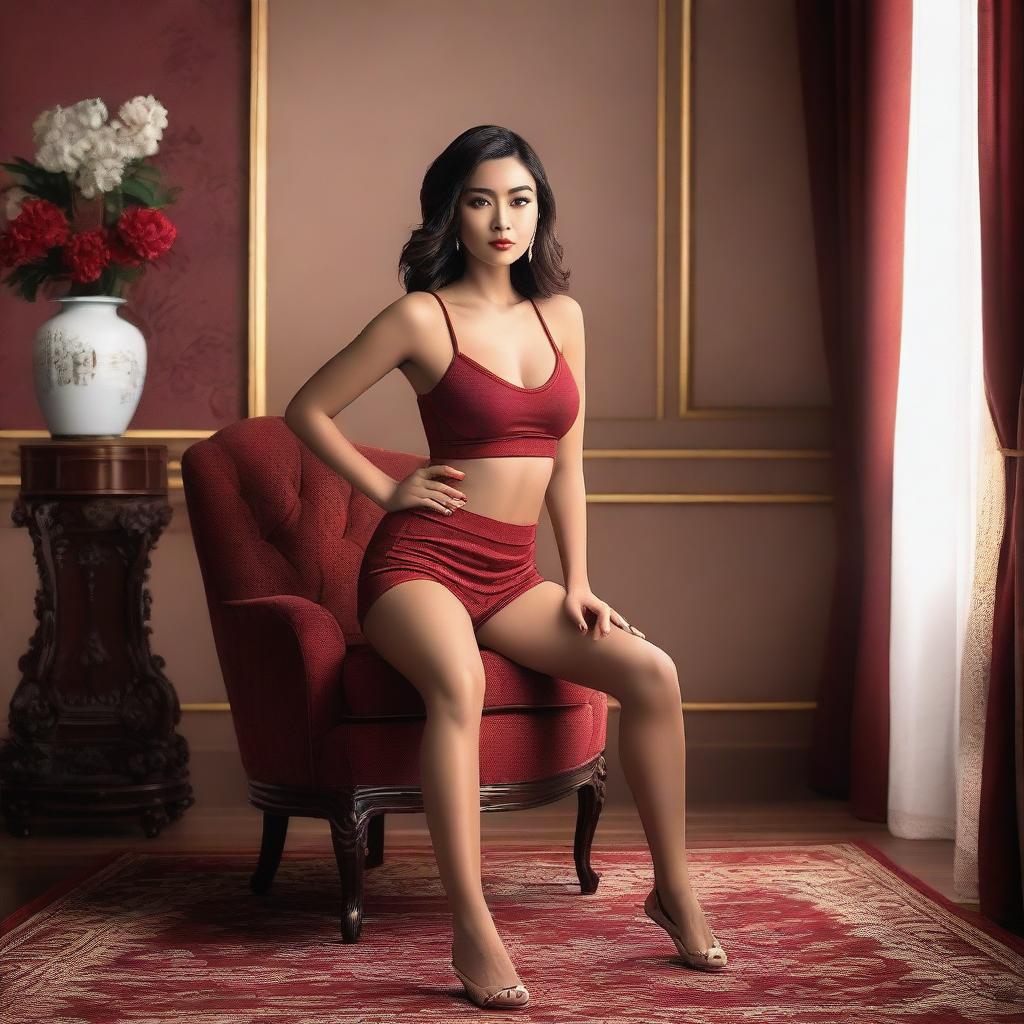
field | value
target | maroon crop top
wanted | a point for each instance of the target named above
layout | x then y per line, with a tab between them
472	413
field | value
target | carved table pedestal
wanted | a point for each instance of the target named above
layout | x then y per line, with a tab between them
92	721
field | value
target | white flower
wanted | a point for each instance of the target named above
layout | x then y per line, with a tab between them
142	111
47	120
78	140
126	141
103	167
90	114
16	195
143	120
61	139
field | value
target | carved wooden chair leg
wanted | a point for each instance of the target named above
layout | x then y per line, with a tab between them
590	800
375	842
349	839
275	828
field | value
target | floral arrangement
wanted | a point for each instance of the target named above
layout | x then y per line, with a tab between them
88	210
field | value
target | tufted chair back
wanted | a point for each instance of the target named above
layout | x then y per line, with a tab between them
296	526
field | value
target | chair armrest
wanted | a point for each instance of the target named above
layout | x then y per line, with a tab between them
282	658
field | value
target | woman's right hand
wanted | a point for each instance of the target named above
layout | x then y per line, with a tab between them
422	489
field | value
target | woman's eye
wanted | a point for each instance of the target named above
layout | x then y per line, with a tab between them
478	199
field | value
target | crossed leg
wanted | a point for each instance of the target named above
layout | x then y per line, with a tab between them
535	631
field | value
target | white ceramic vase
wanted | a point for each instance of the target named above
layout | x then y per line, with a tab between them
89	367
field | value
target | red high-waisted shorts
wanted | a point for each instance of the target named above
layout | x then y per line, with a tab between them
484	562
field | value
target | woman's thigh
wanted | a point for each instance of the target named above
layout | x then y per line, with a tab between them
423	630
535	631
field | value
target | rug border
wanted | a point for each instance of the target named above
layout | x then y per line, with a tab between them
972	917
58	889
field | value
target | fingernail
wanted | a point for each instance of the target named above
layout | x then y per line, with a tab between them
583	627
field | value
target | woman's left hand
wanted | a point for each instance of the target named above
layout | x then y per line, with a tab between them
580	600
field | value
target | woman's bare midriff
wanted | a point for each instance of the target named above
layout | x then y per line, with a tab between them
510	488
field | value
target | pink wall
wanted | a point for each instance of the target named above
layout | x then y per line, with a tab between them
192	305
361	96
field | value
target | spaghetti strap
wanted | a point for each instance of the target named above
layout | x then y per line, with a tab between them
558	351
448	320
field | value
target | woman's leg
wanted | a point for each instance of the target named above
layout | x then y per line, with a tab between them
424	631
652	749
534	631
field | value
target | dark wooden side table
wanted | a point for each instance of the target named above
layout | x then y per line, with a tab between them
92	721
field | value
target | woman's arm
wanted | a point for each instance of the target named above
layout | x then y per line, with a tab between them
566	496
387	340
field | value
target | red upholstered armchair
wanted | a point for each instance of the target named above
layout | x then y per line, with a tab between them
326	728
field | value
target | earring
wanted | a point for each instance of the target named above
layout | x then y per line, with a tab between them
529	252
456	245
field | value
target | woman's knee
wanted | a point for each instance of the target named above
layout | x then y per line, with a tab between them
655	678
457	692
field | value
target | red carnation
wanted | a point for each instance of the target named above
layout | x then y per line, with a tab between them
147	232
39	226
119	252
86	254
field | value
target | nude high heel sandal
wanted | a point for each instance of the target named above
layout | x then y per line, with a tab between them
508	997
712	959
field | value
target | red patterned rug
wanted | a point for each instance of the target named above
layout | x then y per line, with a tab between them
815	933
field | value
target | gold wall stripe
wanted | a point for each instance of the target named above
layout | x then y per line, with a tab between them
258	85
707	453
685	205
753	705
654	498
174	465
659	256
687	410
725	497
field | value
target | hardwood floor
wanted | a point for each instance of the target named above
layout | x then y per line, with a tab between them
30	865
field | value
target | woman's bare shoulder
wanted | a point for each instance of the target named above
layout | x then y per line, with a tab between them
562	300
412	309
563	313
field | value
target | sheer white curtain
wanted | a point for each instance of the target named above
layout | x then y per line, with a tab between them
947	470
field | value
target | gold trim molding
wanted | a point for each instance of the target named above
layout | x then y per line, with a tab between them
687	410
659	258
752	705
258	87
721	498
707	453
627	498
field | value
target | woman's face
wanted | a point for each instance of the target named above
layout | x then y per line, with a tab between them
498	201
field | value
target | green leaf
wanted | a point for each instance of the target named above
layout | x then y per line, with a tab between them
53	186
29	282
138	190
146	171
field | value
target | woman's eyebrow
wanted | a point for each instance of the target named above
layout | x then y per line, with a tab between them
491	192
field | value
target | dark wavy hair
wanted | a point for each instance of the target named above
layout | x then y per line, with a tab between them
429	259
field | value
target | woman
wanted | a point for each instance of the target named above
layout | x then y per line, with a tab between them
451	564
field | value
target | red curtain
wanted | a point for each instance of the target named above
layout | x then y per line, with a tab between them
855	74
1001	180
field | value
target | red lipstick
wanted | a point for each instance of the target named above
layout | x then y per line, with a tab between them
502	243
